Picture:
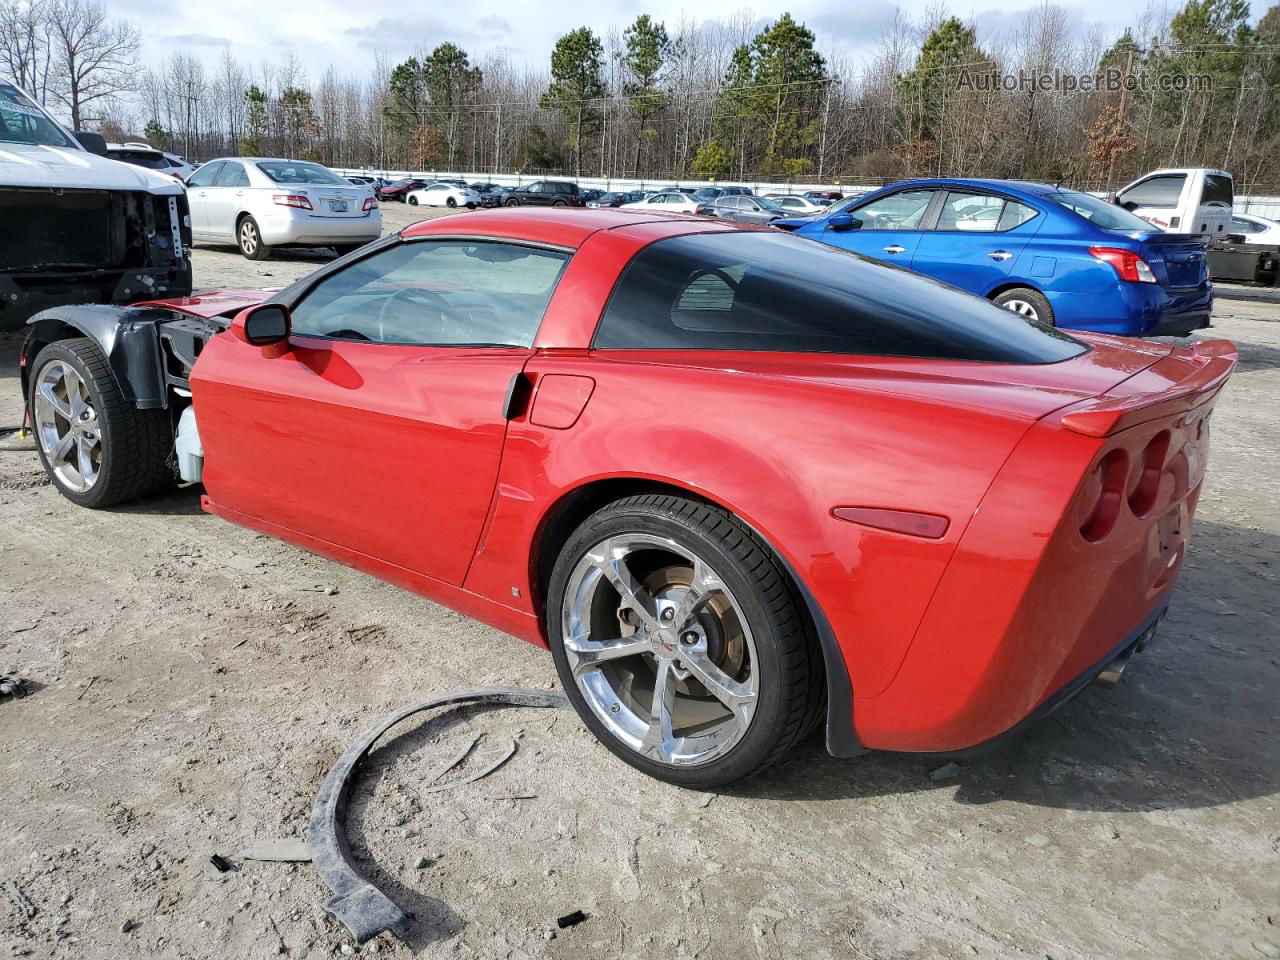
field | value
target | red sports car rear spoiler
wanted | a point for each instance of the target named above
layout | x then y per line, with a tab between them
1107	415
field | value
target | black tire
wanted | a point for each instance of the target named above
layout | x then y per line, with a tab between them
450	202
790	673
511	202
412	201
135	443
559	203
1030	303
249	240
344	248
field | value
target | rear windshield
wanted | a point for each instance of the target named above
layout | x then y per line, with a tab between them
777	292
1100	213
1217	191
287	171
140	158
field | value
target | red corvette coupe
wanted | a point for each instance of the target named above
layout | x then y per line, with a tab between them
740	483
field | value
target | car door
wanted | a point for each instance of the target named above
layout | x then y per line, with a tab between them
975	239
225	199
198	185
886	228
537	195
379	430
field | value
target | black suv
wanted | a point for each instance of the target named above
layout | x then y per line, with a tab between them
545	193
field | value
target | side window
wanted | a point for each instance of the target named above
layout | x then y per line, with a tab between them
205	175
1015	215
898	211
970	212
436	293
1154	192
534	188
232	175
1239	225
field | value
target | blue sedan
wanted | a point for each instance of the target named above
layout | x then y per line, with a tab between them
1054	255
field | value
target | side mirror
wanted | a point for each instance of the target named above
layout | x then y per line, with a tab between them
843	221
93	142
1130	205
265	325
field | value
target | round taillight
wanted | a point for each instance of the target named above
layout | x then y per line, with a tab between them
1151	466
1101	495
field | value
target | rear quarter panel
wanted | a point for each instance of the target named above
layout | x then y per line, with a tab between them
778	452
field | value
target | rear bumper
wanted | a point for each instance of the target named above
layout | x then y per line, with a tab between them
1134	310
304	230
1100	673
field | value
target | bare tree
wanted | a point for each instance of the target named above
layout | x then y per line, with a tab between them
26	53
96	56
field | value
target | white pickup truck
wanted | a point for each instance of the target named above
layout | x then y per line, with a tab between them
1183	200
79	227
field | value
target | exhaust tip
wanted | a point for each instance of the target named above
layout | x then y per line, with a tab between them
1113	671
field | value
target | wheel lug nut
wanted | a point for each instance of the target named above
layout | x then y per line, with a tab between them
688	638
668	614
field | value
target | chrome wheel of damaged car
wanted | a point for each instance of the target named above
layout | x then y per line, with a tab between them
660	649
67	426
682	641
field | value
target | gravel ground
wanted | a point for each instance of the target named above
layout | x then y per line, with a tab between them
195	681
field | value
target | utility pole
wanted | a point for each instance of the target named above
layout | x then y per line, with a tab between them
1124	112
190	100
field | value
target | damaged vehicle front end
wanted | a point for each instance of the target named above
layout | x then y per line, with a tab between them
82	228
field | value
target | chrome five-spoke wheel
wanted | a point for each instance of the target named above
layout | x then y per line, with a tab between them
681	640
67	426
660	649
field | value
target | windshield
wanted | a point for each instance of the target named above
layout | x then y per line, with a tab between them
21	121
288	171
1108	216
768	204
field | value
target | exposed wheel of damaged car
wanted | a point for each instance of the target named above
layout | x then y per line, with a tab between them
680	641
97	448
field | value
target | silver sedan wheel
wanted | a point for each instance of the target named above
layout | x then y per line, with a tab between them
660	649
248	237
1023	308
67	426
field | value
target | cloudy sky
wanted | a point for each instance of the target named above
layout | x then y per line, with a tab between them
346	33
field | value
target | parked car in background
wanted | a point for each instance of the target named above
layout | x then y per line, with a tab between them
1255	229
77	227
491	194
258	203
1189	200
589	195
145	156
370	182
823	198
1054	255
671	201
616	198
544	193
796	205
1007	515
742	209
399	189
444	193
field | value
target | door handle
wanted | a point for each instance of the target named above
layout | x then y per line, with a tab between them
1000	255
895	249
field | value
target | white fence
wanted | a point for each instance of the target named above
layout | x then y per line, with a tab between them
1259	206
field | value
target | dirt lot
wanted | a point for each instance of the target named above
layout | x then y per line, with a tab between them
197	680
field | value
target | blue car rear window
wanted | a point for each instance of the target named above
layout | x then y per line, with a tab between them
778	292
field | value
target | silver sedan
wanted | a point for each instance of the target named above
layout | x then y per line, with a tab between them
260	203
